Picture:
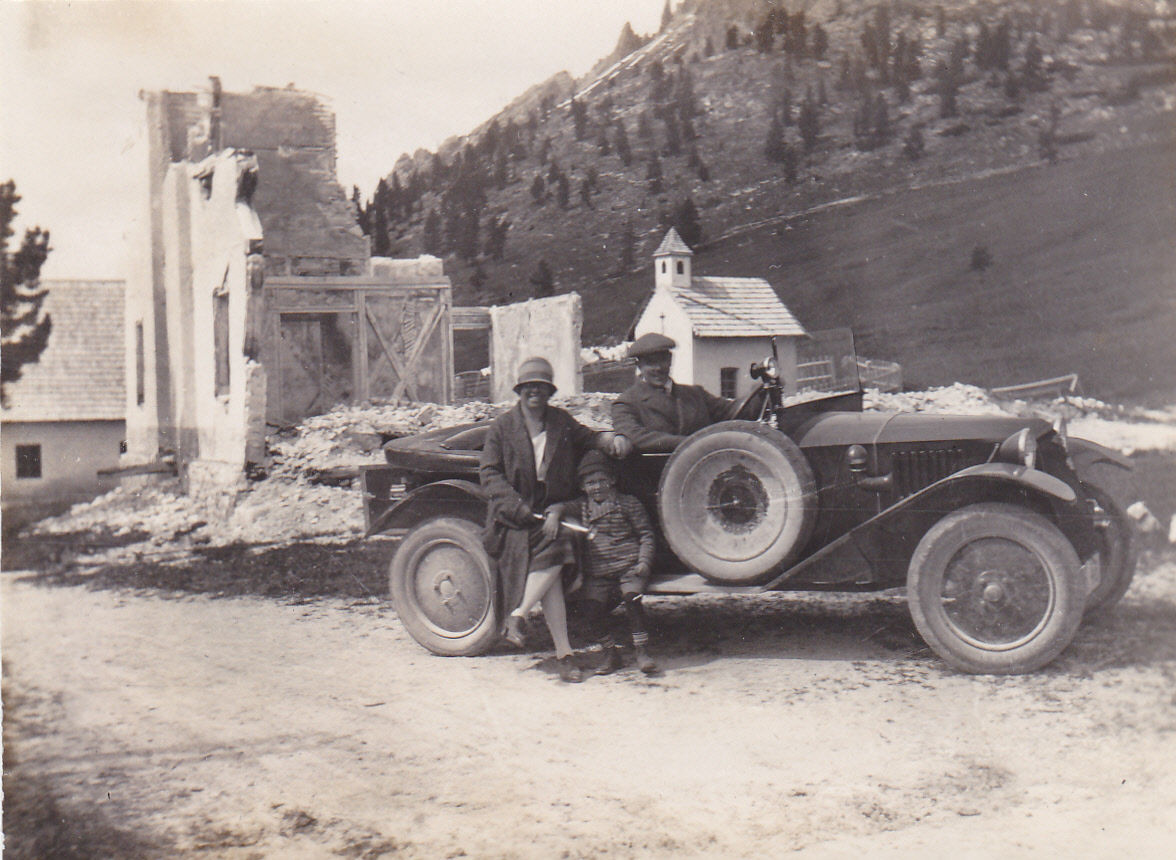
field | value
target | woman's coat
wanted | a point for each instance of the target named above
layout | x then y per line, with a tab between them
508	474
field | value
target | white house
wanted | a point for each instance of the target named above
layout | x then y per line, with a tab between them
721	324
65	415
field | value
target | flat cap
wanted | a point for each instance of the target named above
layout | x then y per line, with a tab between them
650	343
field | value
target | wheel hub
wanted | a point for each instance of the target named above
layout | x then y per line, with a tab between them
996	593
450	590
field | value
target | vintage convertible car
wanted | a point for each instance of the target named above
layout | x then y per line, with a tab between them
997	526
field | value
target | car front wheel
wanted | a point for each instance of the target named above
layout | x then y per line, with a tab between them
443	587
995	589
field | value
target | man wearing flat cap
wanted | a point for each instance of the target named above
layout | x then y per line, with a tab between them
656	413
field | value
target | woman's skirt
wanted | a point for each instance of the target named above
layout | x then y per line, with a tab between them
547	552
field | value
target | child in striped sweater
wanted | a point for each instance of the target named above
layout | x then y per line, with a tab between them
616	561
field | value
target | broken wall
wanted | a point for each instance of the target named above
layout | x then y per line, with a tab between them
193	245
546	327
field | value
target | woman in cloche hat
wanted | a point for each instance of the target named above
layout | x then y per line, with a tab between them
528	464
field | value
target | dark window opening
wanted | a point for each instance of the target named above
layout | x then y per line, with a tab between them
663	265
140	368
28	461
220	336
727	376
681	267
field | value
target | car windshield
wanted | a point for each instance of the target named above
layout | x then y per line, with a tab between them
827	364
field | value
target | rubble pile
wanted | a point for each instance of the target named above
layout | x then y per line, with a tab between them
350	436
957	399
159	510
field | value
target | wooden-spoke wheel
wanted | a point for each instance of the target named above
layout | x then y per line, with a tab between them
995	589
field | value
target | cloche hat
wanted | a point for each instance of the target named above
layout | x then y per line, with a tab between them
535	369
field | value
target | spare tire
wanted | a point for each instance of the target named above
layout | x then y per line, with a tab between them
737	501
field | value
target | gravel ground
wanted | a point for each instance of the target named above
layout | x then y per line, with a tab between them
150	723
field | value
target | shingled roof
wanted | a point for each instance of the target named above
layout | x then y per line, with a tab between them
735	307
672	244
80	375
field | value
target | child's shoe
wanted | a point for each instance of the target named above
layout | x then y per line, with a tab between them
612	661
645	662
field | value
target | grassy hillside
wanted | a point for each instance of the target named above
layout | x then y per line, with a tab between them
1083	275
1075	244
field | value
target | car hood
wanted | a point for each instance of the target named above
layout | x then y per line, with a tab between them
864	428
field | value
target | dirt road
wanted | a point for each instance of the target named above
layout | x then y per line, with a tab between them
155	725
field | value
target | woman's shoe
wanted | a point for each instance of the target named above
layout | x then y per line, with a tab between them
569	672
515	631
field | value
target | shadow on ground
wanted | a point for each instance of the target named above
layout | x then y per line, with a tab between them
296	571
1141	631
40	822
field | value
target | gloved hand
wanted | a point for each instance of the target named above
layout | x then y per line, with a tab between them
551	524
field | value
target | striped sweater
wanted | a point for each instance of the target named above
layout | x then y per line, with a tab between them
623	538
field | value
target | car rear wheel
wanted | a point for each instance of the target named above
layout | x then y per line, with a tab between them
1117	554
737	501
995	589
444	589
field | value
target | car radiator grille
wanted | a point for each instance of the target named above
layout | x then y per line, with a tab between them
915	469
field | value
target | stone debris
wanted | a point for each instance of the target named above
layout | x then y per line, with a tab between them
1144	520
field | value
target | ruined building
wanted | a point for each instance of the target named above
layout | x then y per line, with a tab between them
256	298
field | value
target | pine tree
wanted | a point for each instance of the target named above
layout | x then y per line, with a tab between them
732	38
790	163
477	278
562	191
622	144
538	189
543	280
431	234
764	35
628	247
602	141
666	17
381	246
653	173
774	145
579	119
685	221
820	42
809	121
25	328
913	146
586	193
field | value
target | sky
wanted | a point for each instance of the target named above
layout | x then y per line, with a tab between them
399	75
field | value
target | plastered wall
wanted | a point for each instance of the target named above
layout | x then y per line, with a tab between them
545	327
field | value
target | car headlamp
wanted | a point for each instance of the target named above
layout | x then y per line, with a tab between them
765	370
1021	447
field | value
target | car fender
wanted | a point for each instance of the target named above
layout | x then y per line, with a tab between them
888	537
1033	479
452	497
1084	454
